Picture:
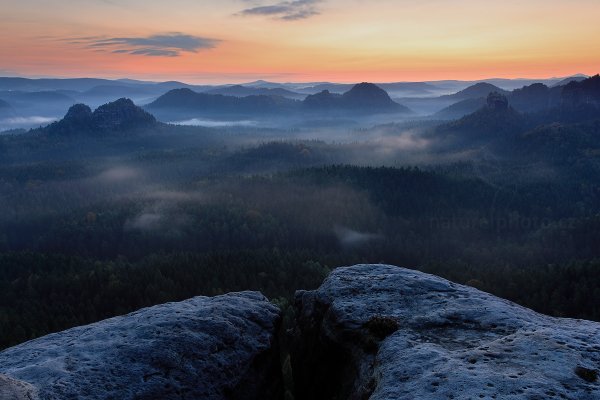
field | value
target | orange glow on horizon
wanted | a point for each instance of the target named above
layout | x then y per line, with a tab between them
345	41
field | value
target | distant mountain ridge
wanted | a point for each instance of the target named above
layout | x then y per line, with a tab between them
31	97
186	100
477	90
244	91
585	92
461	108
362	98
84	84
566	81
490	123
535	98
557	122
35	100
6	109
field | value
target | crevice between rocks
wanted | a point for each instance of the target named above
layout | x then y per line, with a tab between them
328	363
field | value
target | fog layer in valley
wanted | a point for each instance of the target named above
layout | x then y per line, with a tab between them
155	192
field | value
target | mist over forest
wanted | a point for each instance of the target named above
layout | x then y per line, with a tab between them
117	195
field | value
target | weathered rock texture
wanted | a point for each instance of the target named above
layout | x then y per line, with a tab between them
383	332
12	389
203	348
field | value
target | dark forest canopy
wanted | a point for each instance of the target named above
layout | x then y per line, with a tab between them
110	210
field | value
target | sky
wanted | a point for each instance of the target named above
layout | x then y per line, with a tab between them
231	41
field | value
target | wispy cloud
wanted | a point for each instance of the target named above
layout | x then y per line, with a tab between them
286	10
159	45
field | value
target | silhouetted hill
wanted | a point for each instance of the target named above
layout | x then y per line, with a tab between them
337	88
368	96
478	90
118	91
50	96
364	97
78	113
528	99
586	92
562	143
461	108
397	89
48	104
408	86
562	126
6	109
534	97
322	101
186	100
495	120
35	85
170	85
179	98
119	116
263	84
566	81
578	102
572	149
243	91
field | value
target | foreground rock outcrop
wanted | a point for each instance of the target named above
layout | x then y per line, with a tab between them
204	348
383	332
369	332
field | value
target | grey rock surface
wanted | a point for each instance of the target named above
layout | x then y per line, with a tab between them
222	347
382	332
13	389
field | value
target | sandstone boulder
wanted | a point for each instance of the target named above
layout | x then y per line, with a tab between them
223	347
381	332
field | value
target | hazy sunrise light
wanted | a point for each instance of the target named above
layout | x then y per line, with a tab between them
303	40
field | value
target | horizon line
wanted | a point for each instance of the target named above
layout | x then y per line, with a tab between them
282	82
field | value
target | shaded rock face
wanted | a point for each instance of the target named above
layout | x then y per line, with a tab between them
203	348
497	101
383	332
